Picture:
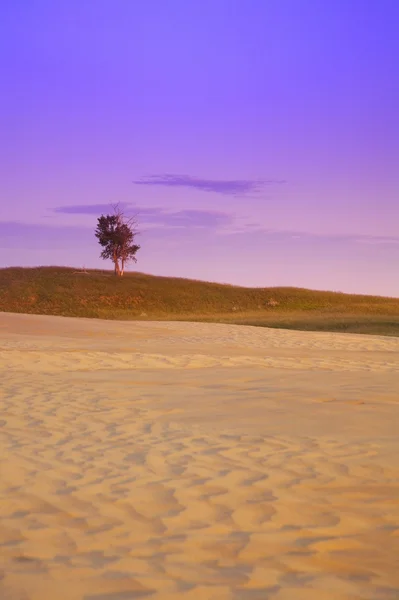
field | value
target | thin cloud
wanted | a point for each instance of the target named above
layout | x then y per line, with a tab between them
156	215
187	218
31	236
370	239
227	187
275	235
87	209
178	226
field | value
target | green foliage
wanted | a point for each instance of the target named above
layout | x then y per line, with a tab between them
117	240
96	293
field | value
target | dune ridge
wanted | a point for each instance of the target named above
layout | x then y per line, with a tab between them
198	461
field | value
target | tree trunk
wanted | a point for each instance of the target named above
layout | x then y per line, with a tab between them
117	270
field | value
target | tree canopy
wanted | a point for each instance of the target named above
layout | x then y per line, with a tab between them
116	235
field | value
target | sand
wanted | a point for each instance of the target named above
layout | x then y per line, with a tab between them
197	461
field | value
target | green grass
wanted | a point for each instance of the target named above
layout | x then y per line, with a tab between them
99	294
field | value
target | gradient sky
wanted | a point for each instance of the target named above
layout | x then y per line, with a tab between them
257	140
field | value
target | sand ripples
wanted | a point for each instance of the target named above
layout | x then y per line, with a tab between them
117	485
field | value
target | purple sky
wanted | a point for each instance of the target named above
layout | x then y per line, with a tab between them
258	141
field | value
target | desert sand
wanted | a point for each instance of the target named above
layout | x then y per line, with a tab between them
197	461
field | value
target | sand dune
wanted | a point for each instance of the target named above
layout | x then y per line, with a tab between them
196	461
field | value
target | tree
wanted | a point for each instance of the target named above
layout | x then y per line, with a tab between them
116	235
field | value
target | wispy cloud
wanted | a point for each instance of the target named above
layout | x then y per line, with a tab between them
88	209
276	235
186	218
180	226
156	215
229	187
31	236
375	239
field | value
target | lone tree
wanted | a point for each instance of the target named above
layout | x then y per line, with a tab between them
116	233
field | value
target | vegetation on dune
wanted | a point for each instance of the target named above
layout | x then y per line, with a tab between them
98	294
116	235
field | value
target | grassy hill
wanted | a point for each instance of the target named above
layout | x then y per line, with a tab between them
98	294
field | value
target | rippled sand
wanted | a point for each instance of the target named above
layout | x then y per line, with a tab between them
197	461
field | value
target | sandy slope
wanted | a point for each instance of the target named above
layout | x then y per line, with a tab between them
198	461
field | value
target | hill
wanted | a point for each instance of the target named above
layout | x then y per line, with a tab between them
98	294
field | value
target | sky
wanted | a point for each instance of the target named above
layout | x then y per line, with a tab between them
257	141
